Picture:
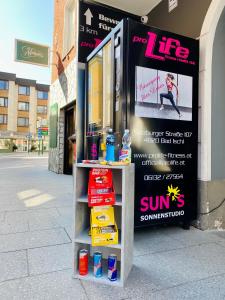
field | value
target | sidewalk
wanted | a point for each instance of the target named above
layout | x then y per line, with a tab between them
36	251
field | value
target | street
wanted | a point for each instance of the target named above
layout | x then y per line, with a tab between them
36	250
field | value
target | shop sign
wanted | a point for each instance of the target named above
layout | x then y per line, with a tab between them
31	53
164	120
96	21
43	131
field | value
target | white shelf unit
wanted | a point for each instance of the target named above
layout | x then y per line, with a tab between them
123	180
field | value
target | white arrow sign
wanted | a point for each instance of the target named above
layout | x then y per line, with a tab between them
89	16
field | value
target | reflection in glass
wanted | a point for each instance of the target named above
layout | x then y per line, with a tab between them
107	85
95	96
100	90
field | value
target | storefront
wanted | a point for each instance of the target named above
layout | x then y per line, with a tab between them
207	27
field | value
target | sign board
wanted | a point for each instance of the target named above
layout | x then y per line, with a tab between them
42	131
172	4
31	53
96	21
163	91
53	121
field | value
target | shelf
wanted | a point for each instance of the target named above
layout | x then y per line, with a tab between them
84	238
81	165
123	182
84	199
102	280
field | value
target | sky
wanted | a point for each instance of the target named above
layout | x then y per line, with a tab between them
30	20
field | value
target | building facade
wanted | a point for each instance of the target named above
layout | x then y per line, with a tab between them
63	87
203	20
23	109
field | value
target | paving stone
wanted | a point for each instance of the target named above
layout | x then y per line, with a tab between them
26	240
13	265
2	216
207	289
150	241
191	271
195	237
167	269
52	286
58	202
137	286
69	229
221	243
66	212
65	219
219	234
11	206
13	222
49	259
43	219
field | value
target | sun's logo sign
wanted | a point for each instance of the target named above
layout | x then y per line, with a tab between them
173	192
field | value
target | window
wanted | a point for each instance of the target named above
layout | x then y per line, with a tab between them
24	90
3	102
95	93
69	27
3	119
4	85
42	109
23	106
42	95
24	122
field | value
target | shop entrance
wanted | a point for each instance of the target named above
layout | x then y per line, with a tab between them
68	145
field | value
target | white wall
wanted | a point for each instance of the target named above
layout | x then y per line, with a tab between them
205	87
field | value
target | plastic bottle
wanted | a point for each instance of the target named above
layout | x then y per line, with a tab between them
110	146
125	154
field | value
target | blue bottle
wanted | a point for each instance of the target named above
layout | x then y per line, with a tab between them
110	146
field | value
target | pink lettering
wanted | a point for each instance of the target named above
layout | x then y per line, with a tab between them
151	204
151	46
137	39
182	52
88	45
164	202
144	204
159	203
94	152
163	47
97	42
180	201
169	45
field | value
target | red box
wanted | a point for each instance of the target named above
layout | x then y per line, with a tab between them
100	187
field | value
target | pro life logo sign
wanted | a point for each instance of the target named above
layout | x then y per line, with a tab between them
96	22
165	48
